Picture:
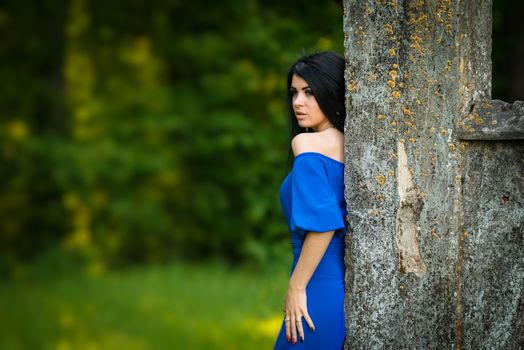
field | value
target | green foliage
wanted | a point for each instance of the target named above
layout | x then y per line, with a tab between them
507	50
142	132
174	307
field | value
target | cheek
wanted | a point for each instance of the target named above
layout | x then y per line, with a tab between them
315	105
316	108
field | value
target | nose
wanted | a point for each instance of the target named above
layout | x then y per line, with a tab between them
299	99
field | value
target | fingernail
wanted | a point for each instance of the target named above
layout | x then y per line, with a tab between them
294	341
301	339
288	337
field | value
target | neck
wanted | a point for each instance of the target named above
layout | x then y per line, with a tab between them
322	128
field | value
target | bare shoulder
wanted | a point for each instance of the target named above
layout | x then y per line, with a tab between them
303	143
329	142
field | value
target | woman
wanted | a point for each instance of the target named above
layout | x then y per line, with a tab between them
312	200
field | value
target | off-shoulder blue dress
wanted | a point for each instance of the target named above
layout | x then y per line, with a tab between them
312	199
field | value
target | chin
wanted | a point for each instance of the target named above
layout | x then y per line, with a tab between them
303	125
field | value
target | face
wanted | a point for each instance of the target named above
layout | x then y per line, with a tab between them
307	111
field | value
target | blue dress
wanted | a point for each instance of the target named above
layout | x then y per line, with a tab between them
312	199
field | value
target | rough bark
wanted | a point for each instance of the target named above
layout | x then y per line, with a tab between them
434	255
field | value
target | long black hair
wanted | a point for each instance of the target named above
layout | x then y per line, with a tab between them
324	73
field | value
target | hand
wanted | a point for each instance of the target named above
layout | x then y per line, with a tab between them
295	307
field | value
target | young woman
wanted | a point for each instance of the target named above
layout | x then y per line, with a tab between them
312	200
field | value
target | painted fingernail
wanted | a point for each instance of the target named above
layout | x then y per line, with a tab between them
294	341
301	339
288	338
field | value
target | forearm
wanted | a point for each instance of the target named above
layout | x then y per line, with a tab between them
313	249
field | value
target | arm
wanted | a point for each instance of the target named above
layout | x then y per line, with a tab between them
313	249
315	245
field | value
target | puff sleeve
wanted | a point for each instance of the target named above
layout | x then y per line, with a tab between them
315	205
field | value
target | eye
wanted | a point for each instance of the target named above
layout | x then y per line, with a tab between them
309	92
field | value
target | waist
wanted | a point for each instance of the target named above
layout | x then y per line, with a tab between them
331	265
335	248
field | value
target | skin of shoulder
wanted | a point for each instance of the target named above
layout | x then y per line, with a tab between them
316	142
305	142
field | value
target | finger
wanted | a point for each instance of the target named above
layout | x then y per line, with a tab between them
300	329
309	321
288	328
293	329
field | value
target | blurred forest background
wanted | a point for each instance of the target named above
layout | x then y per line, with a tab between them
142	145
142	132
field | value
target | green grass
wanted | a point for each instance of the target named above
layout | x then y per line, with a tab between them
176	307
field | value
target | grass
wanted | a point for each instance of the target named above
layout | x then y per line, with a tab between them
205	306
